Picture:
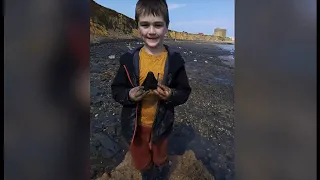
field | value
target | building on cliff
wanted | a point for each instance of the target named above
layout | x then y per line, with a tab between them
220	32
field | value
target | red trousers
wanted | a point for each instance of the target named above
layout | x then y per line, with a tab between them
143	155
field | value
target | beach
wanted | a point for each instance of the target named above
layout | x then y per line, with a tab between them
204	125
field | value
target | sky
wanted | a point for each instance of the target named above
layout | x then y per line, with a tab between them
192	16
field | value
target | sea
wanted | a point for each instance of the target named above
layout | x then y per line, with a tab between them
229	59
228	47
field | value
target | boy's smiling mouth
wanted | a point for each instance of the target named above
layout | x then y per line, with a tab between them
152	38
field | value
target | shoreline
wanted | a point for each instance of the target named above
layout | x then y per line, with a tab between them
105	39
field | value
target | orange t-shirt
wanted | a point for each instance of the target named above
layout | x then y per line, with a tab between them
155	64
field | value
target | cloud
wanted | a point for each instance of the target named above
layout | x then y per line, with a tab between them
175	6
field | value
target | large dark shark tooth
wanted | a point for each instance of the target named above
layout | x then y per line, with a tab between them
150	83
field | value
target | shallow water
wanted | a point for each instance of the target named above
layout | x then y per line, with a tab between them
229	59
228	47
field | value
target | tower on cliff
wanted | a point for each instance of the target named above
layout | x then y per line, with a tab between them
220	32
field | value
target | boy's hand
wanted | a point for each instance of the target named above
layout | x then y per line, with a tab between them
163	91
137	93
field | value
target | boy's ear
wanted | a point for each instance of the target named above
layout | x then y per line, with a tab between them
167	30
138	28
139	31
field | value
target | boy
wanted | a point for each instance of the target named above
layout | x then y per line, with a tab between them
147	115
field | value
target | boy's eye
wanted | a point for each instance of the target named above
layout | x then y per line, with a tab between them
144	24
158	25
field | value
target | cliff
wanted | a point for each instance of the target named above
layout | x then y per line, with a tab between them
109	23
188	36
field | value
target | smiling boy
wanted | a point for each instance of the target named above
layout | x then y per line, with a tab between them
147	116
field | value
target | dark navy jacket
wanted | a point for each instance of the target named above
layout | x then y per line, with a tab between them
127	77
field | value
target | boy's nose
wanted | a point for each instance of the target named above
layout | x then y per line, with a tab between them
152	30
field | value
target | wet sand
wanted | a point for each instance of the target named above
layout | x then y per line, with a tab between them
205	124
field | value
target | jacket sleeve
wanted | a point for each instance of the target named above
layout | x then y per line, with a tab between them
120	88
180	88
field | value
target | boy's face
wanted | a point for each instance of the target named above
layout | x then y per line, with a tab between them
152	30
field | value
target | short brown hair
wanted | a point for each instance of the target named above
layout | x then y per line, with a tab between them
154	7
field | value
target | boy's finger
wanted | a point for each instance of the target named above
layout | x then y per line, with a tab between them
162	97
165	88
159	94
138	93
142	93
156	92
161	86
160	91
134	90
145	92
139	88
163	92
166	93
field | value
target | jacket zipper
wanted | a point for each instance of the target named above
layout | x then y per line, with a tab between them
152	129
156	114
135	122
154	119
